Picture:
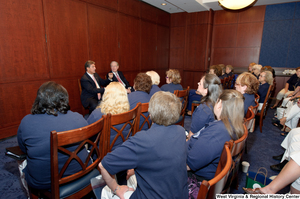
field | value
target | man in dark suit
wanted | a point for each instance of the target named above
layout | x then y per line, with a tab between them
92	86
118	76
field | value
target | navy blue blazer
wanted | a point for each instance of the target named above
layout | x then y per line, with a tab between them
89	88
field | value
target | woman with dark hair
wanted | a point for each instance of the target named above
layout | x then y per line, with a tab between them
50	111
173	80
210	88
247	84
205	147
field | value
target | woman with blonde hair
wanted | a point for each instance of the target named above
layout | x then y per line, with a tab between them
247	84
155	78
256	70
173	80
250	67
205	147
265	79
114	101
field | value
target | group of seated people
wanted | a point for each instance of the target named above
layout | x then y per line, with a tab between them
163	158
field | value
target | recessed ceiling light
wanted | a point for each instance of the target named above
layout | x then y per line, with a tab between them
163	4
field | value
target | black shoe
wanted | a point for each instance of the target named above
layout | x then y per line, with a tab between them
278	167
278	157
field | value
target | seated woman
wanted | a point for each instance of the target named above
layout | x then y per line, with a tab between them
256	70
50	111
229	70
247	84
173	80
290	174
205	147
223	69
210	88
142	86
290	86
250	67
289	117
291	97
114	101
159	166
215	70
155	82
265	80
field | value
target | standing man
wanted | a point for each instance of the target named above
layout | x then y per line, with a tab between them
92	86
118	76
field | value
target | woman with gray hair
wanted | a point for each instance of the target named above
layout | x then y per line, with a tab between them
157	155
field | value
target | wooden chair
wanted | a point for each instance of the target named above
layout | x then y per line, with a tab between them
237	152
194	104
76	185
250	116
131	118
263	110
225	84
230	82
183	95
209	189
80	91
144	111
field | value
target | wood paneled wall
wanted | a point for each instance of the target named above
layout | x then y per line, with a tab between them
237	36
43	40
201	39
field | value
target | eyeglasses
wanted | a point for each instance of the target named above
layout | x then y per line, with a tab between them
167	77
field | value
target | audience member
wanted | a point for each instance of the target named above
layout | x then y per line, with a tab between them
223	73
118	76
142	86
256	70
229	70
50	111
115	101
215	70
291	97
250	67
266	80
247	84
155	78
205	146
173	80
157	155
210	88
290	174
288	117
91	86
290	86
268	68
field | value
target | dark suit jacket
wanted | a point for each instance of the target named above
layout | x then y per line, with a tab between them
89	88
122	78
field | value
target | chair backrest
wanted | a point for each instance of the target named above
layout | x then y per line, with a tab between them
249	118
209	189
183	95
131	118
237	151
145	115
79	139
263	110
225	84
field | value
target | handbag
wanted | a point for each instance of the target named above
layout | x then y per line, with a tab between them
258	179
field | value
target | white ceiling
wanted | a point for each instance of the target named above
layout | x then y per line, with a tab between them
175	6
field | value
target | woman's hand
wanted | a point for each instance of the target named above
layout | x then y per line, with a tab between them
122	189
130	172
